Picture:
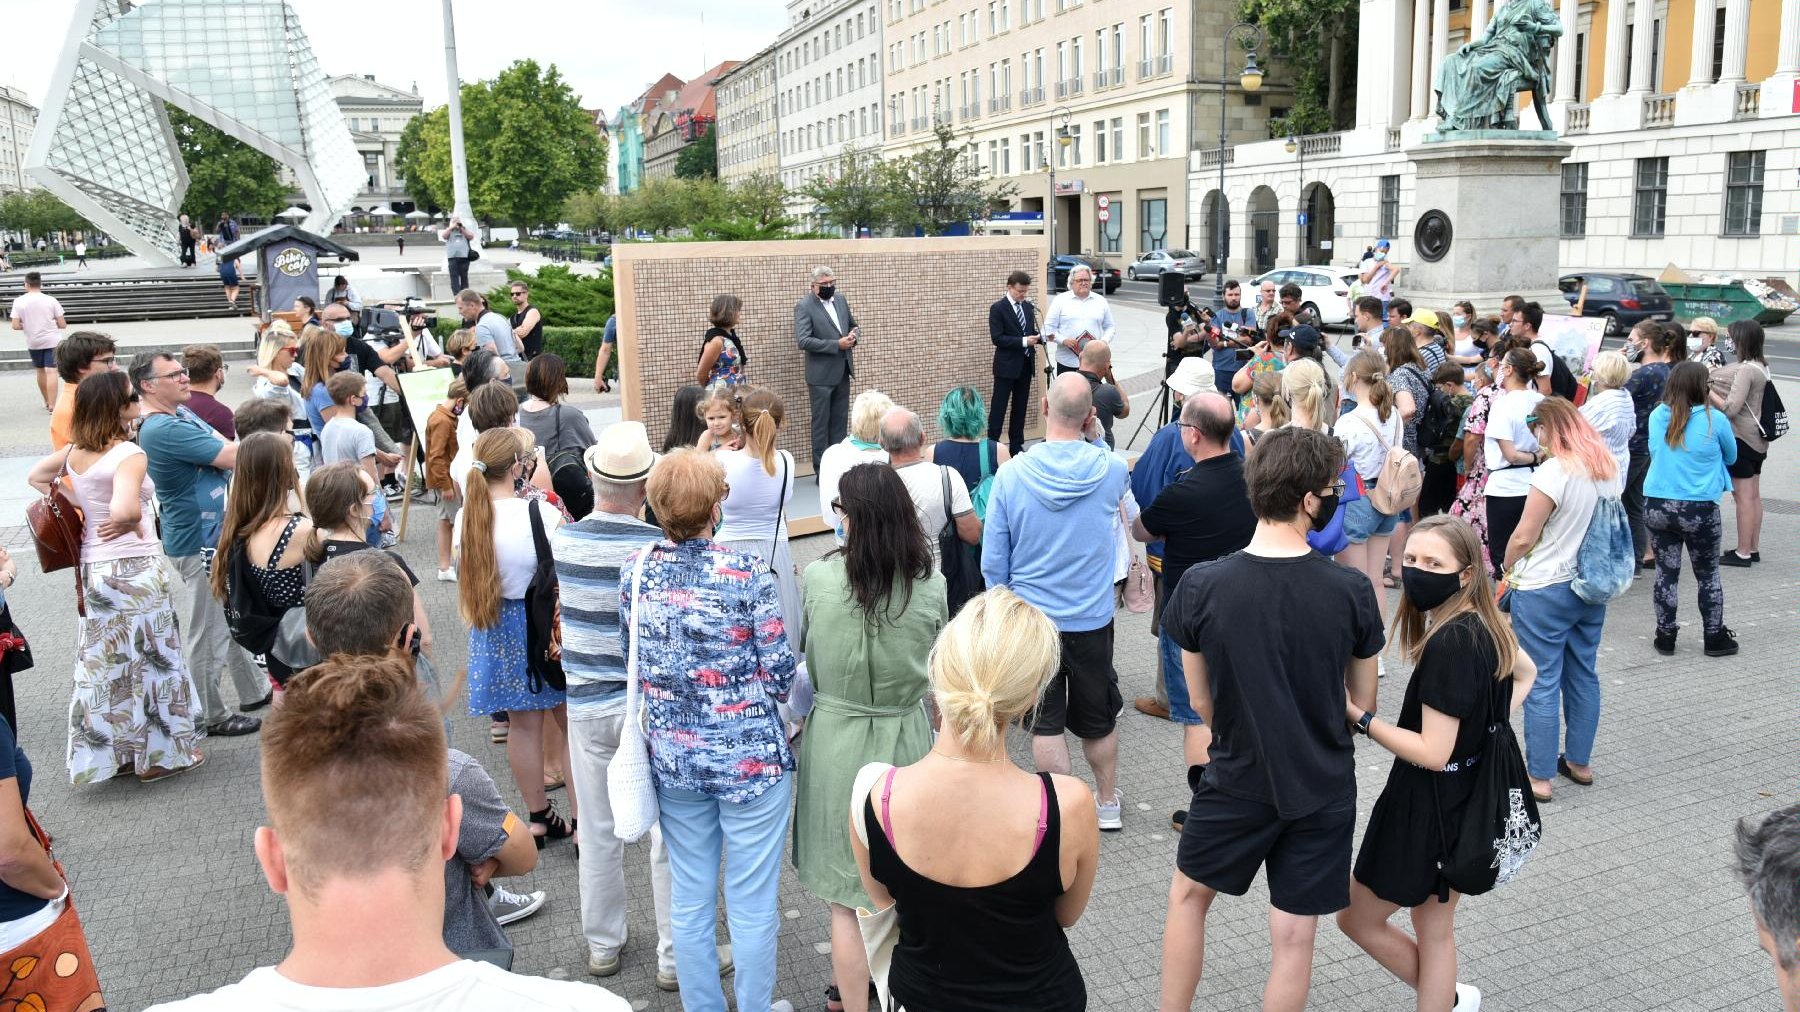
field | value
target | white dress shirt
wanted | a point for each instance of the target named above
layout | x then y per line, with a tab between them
1071	316
831	311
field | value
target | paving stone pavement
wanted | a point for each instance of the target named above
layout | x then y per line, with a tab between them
1629	905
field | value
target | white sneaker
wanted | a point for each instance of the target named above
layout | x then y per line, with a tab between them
447	575
782	1005
1468	998
509	907
1110	818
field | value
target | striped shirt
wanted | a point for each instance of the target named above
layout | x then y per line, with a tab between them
589	555
1612	415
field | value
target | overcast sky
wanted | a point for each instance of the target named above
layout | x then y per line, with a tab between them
609	50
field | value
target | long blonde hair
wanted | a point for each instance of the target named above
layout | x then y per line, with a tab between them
1305	390
322	349
478	579
760	413
1410	627
1266	388
990	665
1370	368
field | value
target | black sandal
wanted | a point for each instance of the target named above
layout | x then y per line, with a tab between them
554	827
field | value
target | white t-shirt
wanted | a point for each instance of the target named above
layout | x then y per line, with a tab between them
1360	442
756	499
1506	420
515	553
837	459
1552	560
925	482
345	439
462	986
37	313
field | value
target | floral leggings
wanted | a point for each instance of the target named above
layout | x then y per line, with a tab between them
1675	523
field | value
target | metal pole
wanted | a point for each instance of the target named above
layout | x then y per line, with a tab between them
1221	233
459	165
1306	226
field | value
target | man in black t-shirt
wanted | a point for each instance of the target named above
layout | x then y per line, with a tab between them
1200	517
1110	401
1271	639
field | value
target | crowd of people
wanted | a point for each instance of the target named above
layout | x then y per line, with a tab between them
626	608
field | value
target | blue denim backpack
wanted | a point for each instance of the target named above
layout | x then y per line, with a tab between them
1606	560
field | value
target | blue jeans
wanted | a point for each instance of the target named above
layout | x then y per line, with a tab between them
1561	634
696	828
1174	677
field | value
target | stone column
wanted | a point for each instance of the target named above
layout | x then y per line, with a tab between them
1737	40
1616	48
1440	47
1643	31
1700	70
1565	52
1421	60
1787	56
1478	18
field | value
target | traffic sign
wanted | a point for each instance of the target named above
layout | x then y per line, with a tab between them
1302	218
1103	202
1105	213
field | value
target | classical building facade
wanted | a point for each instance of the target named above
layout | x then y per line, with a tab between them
18	118
629	127
1678	112
377	114
1132	84
748	136
680	119
829	81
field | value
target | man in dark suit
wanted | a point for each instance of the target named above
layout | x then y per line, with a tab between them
826	330
1012	326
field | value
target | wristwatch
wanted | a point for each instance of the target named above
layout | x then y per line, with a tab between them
1362	723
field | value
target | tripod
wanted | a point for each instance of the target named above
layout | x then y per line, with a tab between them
1162	409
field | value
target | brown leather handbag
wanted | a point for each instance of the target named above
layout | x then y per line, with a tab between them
56	528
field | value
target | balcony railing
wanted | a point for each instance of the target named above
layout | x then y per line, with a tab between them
1659	110
1749	102
898	129
970	111
1031	96
1393	139
1069	88
941	118
1144	73
1210	156
920	122
1001	104
1578	120
1319	145
1165	63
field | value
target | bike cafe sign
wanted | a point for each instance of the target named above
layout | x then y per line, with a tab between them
293	262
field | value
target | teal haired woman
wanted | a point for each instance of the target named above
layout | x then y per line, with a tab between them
963	420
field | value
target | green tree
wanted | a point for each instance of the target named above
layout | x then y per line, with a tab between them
1314	42
39	213
591	210
700	159
941	187
762	198
857	195
225	175
529	144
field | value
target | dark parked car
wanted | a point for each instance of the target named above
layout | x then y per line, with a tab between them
1106	278
1623	299
1154	264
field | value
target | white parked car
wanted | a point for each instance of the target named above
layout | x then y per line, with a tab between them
1324	290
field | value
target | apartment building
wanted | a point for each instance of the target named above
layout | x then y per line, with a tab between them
828	79
679	120
748	122
18	119
1118	93
1683	115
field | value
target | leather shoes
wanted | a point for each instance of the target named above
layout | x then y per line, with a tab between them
1150	707
234	726
259	704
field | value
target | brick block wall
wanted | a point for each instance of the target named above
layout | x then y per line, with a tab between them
922	305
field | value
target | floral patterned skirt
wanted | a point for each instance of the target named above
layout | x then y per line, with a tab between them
134	705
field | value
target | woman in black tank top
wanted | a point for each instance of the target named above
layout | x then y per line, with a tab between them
985	864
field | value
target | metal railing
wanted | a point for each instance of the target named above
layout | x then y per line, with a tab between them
1069	88
1165	63
1144	73
1000	104
970	111
1031	96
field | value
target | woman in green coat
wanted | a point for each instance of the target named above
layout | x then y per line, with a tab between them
873	610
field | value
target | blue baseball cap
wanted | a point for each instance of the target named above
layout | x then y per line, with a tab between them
1381	244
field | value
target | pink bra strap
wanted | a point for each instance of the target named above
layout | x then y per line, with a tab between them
1043	825
887	825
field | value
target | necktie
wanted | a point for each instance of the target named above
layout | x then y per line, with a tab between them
1019	308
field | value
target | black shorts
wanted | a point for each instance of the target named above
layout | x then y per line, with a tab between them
1083	697
1225	839
1749	462
393	418
45	358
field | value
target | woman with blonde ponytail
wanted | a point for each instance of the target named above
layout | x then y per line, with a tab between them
760	479
1311	403
998	862
1366	432
1270	410
497	557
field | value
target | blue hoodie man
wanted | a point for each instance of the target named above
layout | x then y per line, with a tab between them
1048	537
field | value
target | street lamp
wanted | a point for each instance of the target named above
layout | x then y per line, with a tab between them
1250	80
1059	123
1296	145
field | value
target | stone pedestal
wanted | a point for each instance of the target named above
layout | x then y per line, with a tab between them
1488	205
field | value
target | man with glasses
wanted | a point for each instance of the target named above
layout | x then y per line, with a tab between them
825	329
190	465
1203	516
527	322
79	356
1266	304
1273	640
1076	317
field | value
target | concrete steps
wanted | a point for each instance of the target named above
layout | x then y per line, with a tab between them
138	295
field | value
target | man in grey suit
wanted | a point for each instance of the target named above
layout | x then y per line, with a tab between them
826	330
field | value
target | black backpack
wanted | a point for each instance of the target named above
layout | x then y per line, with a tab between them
568	472
276	638
1437	419
1562	380
959	562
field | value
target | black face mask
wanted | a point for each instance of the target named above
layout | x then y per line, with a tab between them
1328	505
1426	589
827	291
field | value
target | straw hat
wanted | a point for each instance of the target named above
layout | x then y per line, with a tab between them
622	454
